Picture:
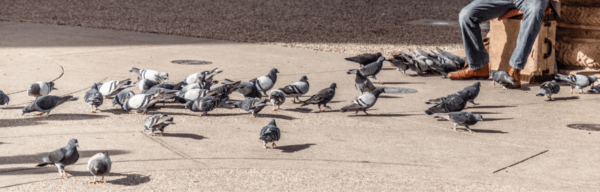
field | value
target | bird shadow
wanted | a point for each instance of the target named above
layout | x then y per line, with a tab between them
275	116
294	148
388	97
300	110
389	69
129	180
398	83
565	98
185	135
31	121
486	131
12	107
382	115
37	158
492	106
486	113
168	113
225	114
496	119
336	101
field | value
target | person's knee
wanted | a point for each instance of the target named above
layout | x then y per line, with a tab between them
535	10
465	15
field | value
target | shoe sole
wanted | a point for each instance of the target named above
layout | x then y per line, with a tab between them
473	78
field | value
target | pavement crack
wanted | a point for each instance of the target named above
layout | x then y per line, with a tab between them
520	161
170	148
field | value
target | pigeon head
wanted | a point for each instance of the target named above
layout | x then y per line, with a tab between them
477	84
592	78
73	143
237	104
508	79
189	105
272	122
96	86
27	109
304	78
51	86
378	54
105	153
6	100
378	91
333	86
381	59
163	75
273	71
478	117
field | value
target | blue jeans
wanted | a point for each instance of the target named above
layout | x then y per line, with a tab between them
480	11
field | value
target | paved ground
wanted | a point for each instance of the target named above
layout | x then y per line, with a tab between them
398	147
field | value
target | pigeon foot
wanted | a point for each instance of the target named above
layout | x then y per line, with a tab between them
252	116
550	99
102	181
327	107
40	114
273	145
356	112
321	110
94	182
265	146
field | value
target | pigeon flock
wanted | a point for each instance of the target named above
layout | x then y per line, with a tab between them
200	93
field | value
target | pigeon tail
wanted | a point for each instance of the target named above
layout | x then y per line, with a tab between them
541	93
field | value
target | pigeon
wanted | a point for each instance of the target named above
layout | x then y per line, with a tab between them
401	65
264	83
144	84
460	61
277	97
4	99
322	97
297	89
62	157
201	85
248	90
39	89
372	69
419	66
463	118
99	165
224	90
111	88
364	102
46	103
502	78
170	85
548	88
141	102
150	74
168	94
193	94
157	122
93	97
451	103
577	81
121	97
208	76
252	105
270	133
205	104
362	83
594	89
365	58
472	92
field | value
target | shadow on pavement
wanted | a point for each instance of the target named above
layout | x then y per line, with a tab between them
276	116
496	119
34	159
564	98
388	97
360	114
300	110
398	83
36	120
485	131
294	148
486	112
493	106
130	179
185	135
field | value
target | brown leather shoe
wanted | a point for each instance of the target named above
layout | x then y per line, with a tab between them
467	73
516	75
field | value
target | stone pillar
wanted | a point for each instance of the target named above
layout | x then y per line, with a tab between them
578	36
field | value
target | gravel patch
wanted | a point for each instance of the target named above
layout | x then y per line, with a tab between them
349	27
260	180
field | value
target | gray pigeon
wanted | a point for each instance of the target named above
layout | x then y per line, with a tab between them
206	75
362	83
168	94
99	165
451	103
577	81
248	90
364	102
270	133
93	97
4	99
297	89
372	69
150	74
472	92
141	102
144	84
252	105
594	89
157	122
39	89
224	90
62	157
277	97
45	104
121	97
460	61
170	85
264	83
111	88
322	97
365	58
205	104
400	65
463	118
548	88
502	78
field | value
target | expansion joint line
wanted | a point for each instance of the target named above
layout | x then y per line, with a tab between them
165	145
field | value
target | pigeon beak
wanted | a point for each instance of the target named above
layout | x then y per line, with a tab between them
77	144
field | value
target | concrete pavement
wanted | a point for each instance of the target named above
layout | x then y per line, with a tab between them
398	139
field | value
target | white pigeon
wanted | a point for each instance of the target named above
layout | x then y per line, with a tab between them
39	89
265	83
296	89
206	75
142	101
150	74
111	88
364	102
99	165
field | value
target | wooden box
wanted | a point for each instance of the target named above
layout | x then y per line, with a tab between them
540	65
